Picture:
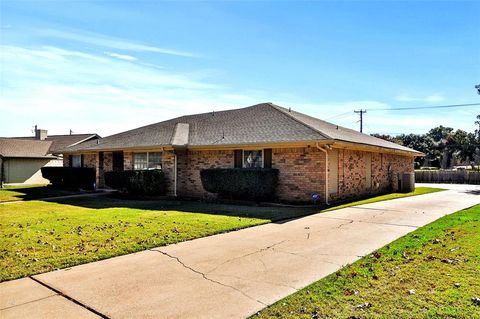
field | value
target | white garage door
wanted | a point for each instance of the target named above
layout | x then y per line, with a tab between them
27	170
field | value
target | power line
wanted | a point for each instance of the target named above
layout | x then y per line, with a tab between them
339	115
342	115
423	107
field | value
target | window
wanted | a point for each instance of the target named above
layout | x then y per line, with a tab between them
147	161
140	161
252	159
155	160
76	160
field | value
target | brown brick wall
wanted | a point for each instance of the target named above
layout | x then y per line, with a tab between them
301	172
168	166
66	160
190	163
352	169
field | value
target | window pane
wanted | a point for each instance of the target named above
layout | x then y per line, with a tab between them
252	159
155	160
139	161
76	160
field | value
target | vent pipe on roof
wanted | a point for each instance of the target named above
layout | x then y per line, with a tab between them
289	109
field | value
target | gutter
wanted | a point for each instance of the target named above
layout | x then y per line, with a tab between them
326	172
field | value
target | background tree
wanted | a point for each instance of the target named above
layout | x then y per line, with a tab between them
443	146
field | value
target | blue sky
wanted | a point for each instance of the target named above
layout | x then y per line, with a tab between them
109	66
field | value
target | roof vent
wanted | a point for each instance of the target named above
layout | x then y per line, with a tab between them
213	113
289	109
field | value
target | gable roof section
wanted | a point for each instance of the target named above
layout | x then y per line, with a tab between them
264	123
10	147
61	142
339	133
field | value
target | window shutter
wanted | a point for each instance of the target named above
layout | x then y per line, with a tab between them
267	158
238	159
70	160
81	160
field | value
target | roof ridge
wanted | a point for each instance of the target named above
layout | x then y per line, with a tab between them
279	109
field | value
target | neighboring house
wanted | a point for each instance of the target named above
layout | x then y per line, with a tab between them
21	158
311	155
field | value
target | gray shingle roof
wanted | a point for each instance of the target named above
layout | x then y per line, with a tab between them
262	123
10	147
60	142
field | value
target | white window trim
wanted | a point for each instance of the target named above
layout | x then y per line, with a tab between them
253	149
147	168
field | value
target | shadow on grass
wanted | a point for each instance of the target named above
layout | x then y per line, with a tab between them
276	214
35	192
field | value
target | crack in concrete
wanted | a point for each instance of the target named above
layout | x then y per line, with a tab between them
246	255
319	254
258	281
343	224
300	255
28	302
206	278
368	222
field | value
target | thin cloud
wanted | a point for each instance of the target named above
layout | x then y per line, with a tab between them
108	42
434	98
121	56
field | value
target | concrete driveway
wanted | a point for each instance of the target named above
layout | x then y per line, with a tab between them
230	275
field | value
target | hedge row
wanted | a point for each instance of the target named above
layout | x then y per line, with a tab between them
241	183
148	182
70	177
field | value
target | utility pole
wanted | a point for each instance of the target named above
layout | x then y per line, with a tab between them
361	118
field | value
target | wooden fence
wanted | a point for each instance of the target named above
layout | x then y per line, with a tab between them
448	176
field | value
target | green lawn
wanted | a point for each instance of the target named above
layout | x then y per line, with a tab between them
28	192
418	191
37	236
432	272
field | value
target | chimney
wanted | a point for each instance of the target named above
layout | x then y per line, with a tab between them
40	134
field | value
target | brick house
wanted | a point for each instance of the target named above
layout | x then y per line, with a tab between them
311	155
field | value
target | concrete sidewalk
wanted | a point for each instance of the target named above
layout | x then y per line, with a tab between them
231	275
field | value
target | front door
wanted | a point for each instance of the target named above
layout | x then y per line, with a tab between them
117	161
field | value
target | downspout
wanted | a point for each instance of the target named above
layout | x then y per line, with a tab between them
326	172
175	175
1	171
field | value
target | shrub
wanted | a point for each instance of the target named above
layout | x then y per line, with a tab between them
70	177
241	183
148	182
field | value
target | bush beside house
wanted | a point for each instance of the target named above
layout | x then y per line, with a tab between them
241	183
147	182
70	177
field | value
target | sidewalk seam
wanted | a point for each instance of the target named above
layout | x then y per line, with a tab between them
69	298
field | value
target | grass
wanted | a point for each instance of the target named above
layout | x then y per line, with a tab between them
418	191
432	272
29	192
37	236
